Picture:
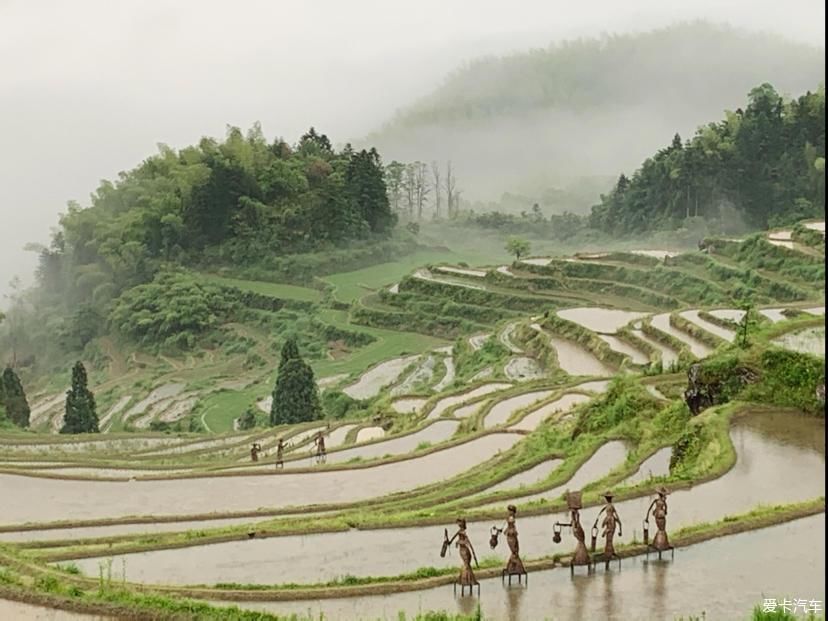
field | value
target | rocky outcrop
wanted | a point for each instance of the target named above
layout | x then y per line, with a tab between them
705	389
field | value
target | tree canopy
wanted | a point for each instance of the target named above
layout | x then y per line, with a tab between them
217	202
518	247
295	396
80	413
766	162
13	398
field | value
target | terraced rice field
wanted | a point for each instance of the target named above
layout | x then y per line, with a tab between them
514	406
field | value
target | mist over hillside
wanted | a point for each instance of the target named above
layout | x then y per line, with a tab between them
589	107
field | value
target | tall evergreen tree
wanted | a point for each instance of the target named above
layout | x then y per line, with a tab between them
80	416
295	396
365	180
13	398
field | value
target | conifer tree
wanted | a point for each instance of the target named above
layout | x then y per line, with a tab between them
80	416
13	398
295	396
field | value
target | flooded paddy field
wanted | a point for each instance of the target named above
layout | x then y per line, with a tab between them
69	499
773	450
442	448
662	322
644	587
18	611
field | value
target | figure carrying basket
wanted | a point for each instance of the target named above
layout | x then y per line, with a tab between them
581	555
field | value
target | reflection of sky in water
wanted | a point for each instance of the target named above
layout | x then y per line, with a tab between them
724	578
767	471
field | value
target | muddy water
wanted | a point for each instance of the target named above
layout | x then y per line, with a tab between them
422	374
598	386
502	410
623	347
366	434
166	391
533	475
377	378
645	588
602	462
656	254
653	390
448	378
112	473
817	310
331	380
723	333
780	459
125	444
506	338
564	404
17	611
41	410
657	465
337	436
774	451
732	314
443	404
537	261
481	375
697	348
810	341
90	532
114	410
436	432
816	226
575	360
468	410
424	274
462	272
522	369
101	499
668	356
604	320
324	556
408	406
774	314
504	269
198	446
477	340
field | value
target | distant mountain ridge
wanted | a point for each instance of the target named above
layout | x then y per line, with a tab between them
590	106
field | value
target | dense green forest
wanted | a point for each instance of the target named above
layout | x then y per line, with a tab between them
536	122
280	213
233	202
767	161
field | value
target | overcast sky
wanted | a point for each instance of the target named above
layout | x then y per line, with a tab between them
89	87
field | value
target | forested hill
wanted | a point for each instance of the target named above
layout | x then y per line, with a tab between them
587	107
765	163
242	201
